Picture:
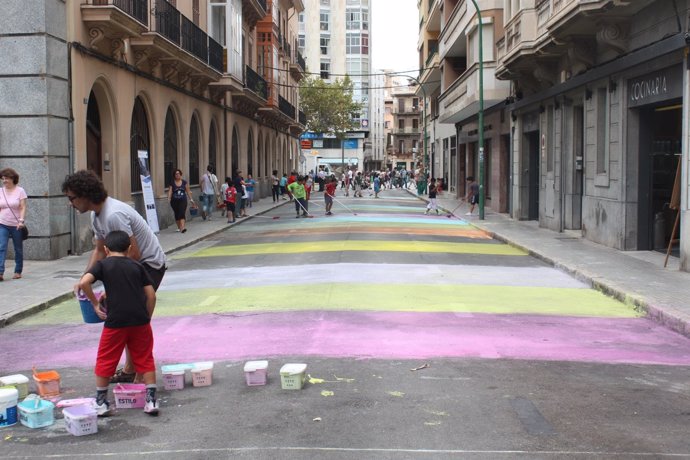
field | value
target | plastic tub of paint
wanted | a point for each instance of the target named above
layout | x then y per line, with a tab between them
8	406
35	412
255	372
80	420
202	374
173	380
19	381
88	314
292	376
48	383
130	395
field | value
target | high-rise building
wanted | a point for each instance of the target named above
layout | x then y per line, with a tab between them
335	41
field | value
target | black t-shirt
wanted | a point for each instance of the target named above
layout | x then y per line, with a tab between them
124	280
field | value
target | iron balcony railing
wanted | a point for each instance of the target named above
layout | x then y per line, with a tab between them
138	9
255	83
285	107
263	4
193	39
215	55
302	118
168	21
300	61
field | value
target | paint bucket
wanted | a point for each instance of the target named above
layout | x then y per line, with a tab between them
48	383
130	395
292	376
87	312
202	374
80	420
8	406
35	412
173	380
255	372
19	381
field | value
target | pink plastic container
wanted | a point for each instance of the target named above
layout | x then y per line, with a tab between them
130	395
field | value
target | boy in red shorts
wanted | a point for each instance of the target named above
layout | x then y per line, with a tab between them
130	303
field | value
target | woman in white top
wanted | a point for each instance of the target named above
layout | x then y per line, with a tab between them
12	214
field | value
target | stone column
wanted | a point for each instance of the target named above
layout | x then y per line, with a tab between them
34	114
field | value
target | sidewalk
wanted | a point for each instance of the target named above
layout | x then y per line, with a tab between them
637	278
47	283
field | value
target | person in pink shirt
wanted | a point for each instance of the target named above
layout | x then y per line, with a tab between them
12	214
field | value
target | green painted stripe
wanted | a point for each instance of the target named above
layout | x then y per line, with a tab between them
356	245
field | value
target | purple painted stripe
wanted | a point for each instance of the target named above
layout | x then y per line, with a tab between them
364	335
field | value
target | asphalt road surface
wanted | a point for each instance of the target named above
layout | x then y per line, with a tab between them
423	338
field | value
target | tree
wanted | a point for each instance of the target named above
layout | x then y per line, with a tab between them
328	106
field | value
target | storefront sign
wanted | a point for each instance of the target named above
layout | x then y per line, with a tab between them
656	87
305	144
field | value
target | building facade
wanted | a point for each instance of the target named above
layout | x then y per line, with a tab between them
188	83
334	38
599	139
406	130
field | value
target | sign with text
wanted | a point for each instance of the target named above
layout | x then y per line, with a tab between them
147	190
655	87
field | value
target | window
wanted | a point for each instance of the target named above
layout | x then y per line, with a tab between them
549	139
353	43
195	12
365	19
194	152
326	2
323	43
365	43
325	70
602	130
324	20
401	124
415	123
401	146
352	19
301	42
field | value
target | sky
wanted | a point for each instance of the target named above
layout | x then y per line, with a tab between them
395	28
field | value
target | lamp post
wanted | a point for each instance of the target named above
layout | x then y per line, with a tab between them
424	139
482	193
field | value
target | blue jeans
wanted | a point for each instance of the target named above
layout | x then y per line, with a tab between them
5	234
207	203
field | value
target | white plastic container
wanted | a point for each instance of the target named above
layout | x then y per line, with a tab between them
292	376
80	420
173	380
19	381
8	406
255	372
35	412
202	374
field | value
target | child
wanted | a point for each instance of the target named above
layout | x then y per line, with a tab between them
130	303
432	197
230	199
377	186
283	186
299	193
331	185
250	183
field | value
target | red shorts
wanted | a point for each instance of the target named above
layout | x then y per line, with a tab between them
139	340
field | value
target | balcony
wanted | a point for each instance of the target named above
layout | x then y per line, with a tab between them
302	118
163	41
407	131
285	107
433	24
407	110
297	66
253	11
452	40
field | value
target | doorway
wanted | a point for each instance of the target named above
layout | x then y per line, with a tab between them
94	157
532	140
660	153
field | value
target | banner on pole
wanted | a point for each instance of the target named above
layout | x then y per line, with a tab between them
147	190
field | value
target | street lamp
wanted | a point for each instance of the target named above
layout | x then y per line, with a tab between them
482	193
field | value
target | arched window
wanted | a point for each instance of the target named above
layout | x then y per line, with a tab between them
139	140
93	136
250	152
212	143
235	150
169	147
194	152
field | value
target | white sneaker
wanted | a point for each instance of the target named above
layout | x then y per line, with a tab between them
102	410
151	407
468	213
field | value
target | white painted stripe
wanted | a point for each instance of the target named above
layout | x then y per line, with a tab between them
209	300
383	274
425	452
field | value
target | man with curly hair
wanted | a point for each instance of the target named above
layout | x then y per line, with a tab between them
86	193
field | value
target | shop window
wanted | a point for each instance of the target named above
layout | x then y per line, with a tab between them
602	131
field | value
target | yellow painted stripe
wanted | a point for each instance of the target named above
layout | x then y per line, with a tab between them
356	245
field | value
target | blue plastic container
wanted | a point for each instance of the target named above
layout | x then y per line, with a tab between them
35	412
87	311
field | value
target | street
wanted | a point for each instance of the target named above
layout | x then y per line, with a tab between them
423	337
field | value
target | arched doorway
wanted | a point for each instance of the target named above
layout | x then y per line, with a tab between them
94	156
250	153
194	151
235	151
139	140
213	147
169	147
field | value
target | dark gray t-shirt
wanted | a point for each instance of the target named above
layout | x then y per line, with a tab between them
116	215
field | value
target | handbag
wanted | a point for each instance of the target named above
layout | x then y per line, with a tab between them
24	230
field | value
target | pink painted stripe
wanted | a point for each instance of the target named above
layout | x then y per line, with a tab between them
365	335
